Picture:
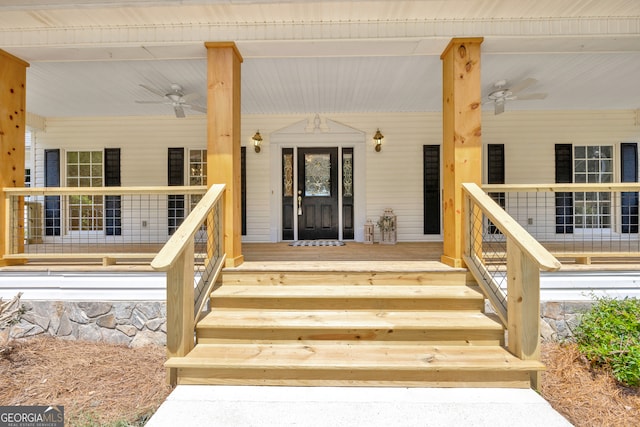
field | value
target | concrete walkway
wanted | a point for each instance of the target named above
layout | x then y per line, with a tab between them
236	406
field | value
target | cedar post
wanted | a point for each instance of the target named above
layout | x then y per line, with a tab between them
523	306
223	139
13	78
461	136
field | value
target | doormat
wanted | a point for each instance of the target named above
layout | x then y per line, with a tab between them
317	243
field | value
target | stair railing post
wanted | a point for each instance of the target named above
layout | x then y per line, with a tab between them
180	311
523	303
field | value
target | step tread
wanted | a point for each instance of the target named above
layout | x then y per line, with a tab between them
329	356
349	291
319	319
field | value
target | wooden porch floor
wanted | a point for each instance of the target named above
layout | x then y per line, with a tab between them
351	251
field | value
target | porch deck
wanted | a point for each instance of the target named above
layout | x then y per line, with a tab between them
136	257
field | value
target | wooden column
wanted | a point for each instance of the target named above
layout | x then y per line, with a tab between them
223	138
13	78
461	136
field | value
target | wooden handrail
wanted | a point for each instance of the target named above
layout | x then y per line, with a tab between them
177	258
519	310
510	228
104	191
569	188
170	252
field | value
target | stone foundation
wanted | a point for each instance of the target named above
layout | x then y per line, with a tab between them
140	323
134	324
559	318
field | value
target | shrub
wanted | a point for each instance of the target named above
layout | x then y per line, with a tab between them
609	336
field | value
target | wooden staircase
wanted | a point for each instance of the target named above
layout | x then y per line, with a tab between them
350	324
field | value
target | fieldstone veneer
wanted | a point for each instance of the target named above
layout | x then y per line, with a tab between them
137	324
134	324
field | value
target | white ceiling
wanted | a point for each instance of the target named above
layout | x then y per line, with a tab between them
89	57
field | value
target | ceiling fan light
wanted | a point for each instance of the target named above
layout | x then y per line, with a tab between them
500	94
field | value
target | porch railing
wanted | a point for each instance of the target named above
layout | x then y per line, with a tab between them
576	221
86	223
193	259
506	261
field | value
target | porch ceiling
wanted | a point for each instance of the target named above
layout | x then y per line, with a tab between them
89	57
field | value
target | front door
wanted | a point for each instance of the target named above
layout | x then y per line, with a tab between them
317	199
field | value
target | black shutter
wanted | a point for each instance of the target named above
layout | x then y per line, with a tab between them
495	175
629	199
431	188
52	203
564	200
112	204
175	177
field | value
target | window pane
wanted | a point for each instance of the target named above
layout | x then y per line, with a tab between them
96	157
72	171
85	171
593	209
84	157
317	175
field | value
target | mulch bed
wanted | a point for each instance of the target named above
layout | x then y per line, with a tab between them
586	396
96	383
101	384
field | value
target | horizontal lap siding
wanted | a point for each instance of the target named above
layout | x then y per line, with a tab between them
393	176
143	142
530	137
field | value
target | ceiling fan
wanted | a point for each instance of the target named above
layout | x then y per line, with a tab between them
176	98
501	92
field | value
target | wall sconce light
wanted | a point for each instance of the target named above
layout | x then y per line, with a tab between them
257	141
378	140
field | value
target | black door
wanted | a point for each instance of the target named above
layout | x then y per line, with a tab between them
317	199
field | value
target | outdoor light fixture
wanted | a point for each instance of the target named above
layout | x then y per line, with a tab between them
257	141
378	140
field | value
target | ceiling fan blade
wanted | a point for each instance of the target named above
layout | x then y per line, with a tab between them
531	96
153	90
150	102
179	111
198	108
499	108
522	85
190	97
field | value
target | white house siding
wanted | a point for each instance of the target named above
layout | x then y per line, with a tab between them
393	175
143	142
529	139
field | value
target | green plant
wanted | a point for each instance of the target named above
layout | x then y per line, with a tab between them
609	336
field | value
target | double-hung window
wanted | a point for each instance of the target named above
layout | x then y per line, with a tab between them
593	165
197	172
85	169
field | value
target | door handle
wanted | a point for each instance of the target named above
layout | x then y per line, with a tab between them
299	202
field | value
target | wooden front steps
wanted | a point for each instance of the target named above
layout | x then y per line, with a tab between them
350	327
